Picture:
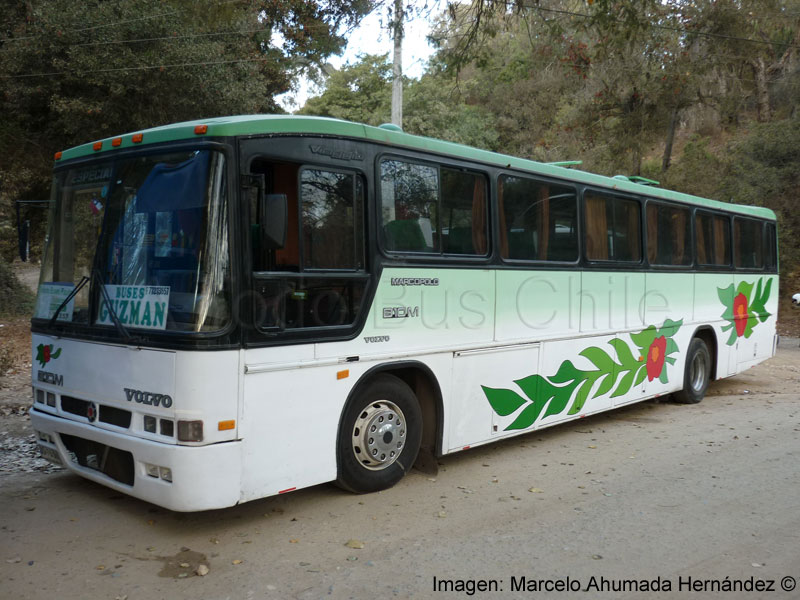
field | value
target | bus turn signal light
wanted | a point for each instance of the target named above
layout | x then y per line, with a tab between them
200	129
97	146
226	425
116	142
137	138
59	155
343	374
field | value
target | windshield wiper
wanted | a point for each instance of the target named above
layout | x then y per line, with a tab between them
67	300
107	299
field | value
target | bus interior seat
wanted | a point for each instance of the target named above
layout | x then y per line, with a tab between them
459	241
405	235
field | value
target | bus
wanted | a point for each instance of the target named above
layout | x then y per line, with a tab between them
245	306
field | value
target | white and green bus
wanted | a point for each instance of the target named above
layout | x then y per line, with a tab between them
246	306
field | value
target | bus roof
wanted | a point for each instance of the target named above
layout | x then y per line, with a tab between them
246	125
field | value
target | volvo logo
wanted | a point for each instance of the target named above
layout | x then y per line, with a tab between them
148	398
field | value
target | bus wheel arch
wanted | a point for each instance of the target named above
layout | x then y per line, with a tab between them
412	390
709	336
700	367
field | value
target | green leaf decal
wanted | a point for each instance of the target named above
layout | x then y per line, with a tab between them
527	417
570	387
644	339
750	295
600	359
642	372
504	402
56	354
566	372
626	357
624	385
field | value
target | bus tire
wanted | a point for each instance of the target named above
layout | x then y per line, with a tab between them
697	374
379	435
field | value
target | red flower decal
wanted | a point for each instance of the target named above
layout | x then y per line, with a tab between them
655	357
740	313
47	354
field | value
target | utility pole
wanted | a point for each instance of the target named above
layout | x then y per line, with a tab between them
397	67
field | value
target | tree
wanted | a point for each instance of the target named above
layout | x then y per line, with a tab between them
73	71
360	92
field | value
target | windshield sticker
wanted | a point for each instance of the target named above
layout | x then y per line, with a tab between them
50	297
46	352
141	306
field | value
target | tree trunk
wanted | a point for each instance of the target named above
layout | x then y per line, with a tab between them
762	91
673	125
397	68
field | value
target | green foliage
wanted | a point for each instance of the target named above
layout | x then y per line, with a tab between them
764	170
359	92
76	71
15	299
699	170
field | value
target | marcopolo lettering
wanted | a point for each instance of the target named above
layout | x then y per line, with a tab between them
337	154
148	398
408	281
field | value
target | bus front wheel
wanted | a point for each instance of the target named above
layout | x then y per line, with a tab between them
379	435
697	374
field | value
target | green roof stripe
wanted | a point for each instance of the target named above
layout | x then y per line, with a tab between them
278	124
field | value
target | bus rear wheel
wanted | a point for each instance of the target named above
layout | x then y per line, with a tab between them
697	373
379	435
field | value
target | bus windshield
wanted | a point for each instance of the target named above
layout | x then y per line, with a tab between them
153	230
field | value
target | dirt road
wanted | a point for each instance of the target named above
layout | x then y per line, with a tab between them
680	496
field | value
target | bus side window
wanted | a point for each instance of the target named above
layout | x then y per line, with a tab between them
713	234
747	243
770	248
463	213
538	220
613	228
668	235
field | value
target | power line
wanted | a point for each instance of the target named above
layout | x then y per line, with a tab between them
139	68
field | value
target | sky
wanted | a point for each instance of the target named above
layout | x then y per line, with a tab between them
370	38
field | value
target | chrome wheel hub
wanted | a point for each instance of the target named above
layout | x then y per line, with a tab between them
697	372
379	434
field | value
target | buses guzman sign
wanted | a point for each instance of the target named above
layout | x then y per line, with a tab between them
140	306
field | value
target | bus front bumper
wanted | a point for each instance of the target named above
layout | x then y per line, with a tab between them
180	478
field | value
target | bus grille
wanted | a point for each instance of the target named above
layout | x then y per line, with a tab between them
116	463
108	414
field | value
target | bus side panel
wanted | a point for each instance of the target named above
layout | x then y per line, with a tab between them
610	301
708	310
755	344
423	309
669	297
476	376
536	305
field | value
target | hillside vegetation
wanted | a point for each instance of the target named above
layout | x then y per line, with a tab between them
700	95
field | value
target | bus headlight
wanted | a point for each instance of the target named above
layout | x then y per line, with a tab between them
190	431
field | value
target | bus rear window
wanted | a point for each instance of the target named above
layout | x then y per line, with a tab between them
747	243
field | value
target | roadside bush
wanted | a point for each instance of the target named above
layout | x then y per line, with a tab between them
15	299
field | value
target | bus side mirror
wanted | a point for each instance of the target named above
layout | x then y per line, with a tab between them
273	217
